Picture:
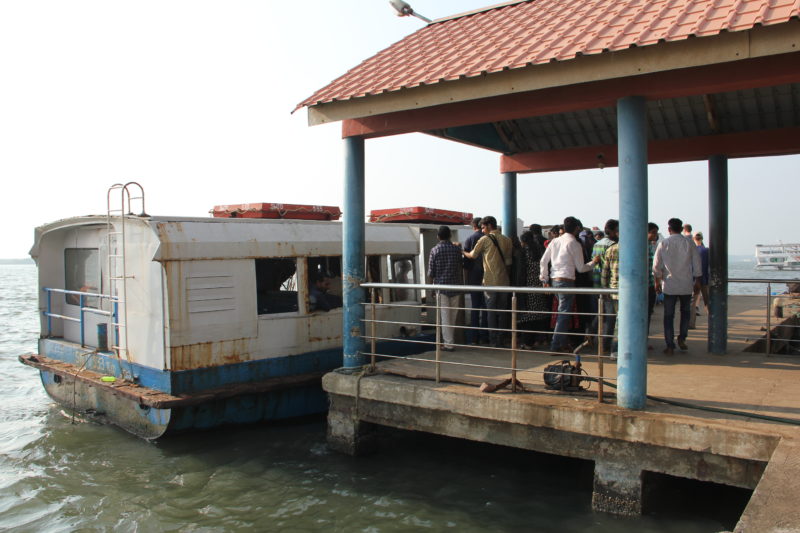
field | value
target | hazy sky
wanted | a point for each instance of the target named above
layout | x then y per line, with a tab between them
193	100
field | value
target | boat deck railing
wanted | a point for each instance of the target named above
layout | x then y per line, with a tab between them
82	299
588	344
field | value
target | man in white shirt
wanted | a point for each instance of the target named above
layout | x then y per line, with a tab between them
562	259
676	268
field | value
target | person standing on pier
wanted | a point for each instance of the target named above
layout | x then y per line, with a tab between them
609	279
496	251
674	265
444	268
559	265
687	232
609	320
652	245
473	275
701	290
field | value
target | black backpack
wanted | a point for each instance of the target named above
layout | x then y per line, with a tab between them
559	376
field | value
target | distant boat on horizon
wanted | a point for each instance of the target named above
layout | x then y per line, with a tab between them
778	256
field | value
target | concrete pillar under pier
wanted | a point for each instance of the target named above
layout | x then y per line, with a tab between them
346	432
617	488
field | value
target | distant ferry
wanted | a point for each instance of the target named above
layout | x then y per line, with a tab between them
164	324
778	256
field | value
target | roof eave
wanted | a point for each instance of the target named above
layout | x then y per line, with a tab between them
721	48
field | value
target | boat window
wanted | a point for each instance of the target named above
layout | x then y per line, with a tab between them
82	273
401	270
276	285
324	283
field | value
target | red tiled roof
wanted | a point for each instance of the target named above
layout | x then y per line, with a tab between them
539	31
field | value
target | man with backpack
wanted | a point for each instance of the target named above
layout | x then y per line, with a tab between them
495	250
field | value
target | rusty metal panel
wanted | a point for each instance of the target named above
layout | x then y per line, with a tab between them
211	301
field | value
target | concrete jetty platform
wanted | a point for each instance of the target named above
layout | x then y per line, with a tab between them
741	451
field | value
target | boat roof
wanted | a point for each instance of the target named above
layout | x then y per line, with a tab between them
196	238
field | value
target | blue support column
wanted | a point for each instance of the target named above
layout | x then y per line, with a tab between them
632	351
509	216
353	254
718	254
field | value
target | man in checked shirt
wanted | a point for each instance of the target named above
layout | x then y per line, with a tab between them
444	268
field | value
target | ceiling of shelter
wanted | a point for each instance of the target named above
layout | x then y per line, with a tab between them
730	112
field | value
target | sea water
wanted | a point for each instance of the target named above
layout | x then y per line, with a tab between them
60	474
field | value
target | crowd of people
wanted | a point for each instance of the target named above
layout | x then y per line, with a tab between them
569	255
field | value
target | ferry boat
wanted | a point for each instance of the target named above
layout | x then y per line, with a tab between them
165	324
778	256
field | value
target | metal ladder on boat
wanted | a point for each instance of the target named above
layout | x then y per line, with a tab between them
117	273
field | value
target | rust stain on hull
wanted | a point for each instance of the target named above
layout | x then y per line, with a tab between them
206	354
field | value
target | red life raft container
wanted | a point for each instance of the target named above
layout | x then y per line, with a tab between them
424	215
286	211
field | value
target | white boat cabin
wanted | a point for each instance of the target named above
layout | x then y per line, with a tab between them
186	293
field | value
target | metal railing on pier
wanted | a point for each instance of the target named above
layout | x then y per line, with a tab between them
590	339
772	309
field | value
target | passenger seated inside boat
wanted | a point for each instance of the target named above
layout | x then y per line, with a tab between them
276	285
788	303
319	296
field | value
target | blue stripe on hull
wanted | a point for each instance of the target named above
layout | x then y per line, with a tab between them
105	363
153	423
251	408
200	379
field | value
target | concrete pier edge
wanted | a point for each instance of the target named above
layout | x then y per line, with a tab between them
622	443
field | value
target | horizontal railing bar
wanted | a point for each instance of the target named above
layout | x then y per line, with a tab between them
481	328
751	280
457	363
484	347
54	315
96	311
78	293
433	305
483	288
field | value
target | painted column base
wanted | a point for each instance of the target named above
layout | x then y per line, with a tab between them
346	433
617	488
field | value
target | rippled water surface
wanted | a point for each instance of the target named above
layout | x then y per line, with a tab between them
56	475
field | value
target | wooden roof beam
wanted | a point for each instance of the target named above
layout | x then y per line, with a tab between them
724	77
783	141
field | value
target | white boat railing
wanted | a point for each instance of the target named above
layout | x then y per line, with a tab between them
84	309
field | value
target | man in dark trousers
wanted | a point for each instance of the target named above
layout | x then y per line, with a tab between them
495	249
560	263
676	268
473	275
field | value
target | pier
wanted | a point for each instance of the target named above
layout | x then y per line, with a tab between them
747	452
600	91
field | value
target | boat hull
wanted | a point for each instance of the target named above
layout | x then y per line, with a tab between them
94	384
102	405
